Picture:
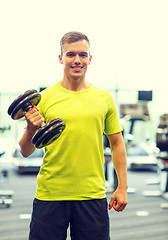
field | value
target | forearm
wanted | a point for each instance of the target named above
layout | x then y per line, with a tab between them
119	200
120	164
119	158
25	143
34	121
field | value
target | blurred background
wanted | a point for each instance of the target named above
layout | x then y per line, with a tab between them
130	58
128	44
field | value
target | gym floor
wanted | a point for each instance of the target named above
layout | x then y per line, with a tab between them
144	218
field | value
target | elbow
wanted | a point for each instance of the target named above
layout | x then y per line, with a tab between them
22	150
26	151
26	146
25	155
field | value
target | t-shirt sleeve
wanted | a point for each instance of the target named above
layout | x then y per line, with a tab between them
112	123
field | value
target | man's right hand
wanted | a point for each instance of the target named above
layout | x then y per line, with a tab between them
34	119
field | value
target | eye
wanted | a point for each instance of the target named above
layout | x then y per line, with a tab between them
83	54
70	54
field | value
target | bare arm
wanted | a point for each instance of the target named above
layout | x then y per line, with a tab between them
34	121
119	198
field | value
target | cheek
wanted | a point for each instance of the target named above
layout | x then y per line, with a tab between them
86	64
67	64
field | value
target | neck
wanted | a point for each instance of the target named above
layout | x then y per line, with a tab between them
74	84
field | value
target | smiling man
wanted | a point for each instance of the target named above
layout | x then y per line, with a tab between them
75	57
71	182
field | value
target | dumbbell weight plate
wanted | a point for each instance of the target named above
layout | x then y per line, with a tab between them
19	110
49	132
41	141
19	99
50	135
44	128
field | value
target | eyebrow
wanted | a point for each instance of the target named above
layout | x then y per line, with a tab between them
73	52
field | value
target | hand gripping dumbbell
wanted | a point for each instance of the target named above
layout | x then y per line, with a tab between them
48	132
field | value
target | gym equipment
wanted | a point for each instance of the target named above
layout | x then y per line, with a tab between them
162	144
48	132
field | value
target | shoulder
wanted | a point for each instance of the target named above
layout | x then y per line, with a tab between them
103	94
47	96
101	91
49	90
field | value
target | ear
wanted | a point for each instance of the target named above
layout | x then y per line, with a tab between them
90	59
60	59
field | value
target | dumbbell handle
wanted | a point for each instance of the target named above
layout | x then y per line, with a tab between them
27	107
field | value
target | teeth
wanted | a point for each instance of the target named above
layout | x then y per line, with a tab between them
77	67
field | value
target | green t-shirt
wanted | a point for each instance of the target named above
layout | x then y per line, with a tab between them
72	167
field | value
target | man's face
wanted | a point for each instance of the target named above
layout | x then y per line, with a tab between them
75	59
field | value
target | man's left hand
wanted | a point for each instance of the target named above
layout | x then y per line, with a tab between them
118	200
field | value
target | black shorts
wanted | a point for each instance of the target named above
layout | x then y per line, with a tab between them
88	219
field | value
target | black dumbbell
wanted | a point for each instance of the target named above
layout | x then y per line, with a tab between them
48	132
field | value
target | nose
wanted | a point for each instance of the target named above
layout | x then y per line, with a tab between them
77	59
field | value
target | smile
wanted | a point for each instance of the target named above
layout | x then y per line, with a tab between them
77	67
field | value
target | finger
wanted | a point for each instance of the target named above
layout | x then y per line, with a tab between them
35	119
32	110
36	107
111	203
116	206
119	207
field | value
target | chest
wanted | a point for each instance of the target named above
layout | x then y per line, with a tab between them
76	108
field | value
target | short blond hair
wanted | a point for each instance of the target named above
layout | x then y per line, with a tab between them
71	37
